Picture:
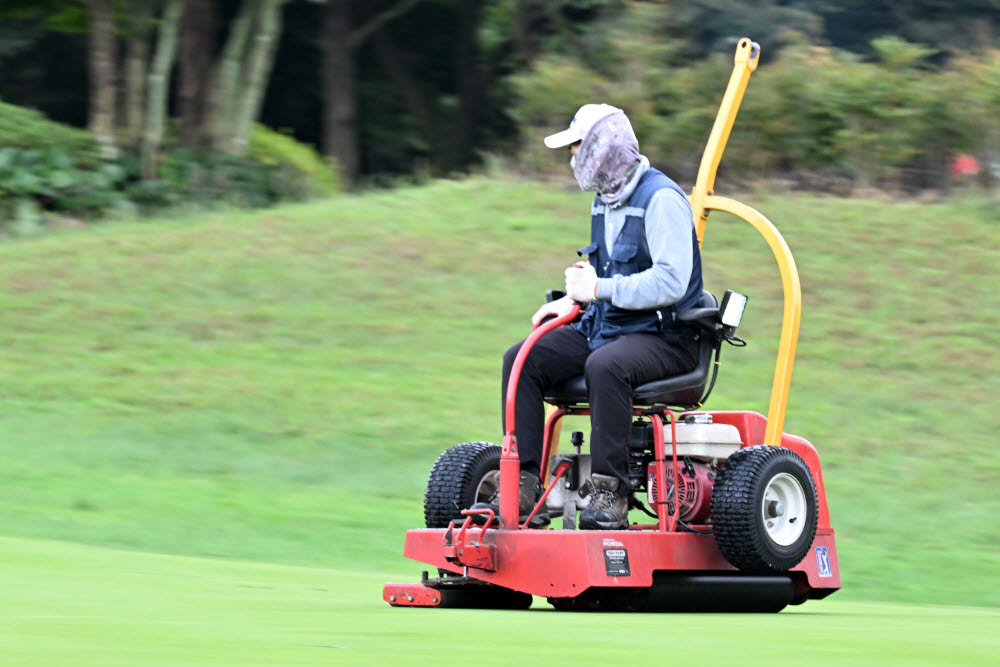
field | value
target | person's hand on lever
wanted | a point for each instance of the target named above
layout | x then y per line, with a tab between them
581	282
556	308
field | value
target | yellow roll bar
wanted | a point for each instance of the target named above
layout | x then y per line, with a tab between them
704	200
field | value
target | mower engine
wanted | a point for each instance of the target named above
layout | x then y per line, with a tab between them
701	447
694	491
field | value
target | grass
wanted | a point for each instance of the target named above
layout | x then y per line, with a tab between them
274	386
77	605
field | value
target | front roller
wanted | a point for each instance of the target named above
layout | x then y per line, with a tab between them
455	592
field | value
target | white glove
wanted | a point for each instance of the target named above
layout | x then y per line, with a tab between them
559	307
581	282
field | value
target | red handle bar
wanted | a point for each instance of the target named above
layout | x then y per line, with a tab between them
515	372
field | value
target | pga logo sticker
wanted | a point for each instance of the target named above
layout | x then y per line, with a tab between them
823	562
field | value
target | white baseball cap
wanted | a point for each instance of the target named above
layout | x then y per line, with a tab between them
580	125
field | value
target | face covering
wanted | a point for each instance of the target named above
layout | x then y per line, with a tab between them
606	157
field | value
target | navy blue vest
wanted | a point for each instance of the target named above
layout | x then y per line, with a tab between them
603	321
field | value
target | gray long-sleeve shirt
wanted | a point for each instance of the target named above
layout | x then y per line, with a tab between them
668	226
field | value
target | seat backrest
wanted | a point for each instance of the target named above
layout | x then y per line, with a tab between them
708	300
687	390
682	391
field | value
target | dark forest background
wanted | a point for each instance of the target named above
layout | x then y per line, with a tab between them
276	99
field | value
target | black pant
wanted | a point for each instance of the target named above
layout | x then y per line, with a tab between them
612	371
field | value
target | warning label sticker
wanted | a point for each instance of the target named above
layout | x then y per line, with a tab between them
616	562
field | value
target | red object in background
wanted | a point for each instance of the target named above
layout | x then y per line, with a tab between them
964	165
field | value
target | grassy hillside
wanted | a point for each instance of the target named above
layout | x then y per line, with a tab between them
276	385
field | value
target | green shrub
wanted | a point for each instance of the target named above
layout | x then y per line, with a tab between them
972	97
813	113
40	183
26	128
290	156
188	176
48	169
49	179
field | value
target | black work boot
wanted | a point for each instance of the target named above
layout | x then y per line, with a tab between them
608	507
527	497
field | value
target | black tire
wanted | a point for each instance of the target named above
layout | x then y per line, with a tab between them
748	529
462	476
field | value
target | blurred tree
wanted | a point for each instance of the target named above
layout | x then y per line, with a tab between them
146	83
197	50
158	86
241	73
136	64
397	86
257	71
524	33
339	40
103	74
440	83
219	94
479	60
703	27
948	26
340	132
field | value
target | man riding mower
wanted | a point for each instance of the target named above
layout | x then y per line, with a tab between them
741	521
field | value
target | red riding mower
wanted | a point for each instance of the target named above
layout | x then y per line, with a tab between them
741	515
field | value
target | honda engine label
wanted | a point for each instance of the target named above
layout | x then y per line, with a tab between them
616	562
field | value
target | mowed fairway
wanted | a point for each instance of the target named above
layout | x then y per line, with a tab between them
77	605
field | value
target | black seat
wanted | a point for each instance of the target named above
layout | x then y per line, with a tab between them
682	391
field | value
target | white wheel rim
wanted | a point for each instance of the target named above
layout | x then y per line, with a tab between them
488	486
784	509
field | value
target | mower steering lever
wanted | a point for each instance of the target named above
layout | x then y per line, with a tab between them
510	466
515	373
